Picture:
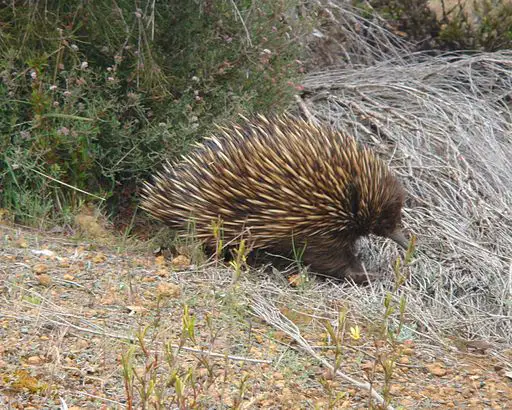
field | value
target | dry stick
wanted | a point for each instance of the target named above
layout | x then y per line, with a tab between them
67	185
99	398
305	110
243	22
274	318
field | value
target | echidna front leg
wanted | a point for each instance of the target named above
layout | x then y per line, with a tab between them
338	262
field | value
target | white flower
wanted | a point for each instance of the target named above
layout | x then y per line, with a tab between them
63	131
84	65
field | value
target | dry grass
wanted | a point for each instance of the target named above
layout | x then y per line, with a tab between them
445	126
347	36
64	337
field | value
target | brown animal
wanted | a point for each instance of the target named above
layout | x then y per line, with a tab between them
283	183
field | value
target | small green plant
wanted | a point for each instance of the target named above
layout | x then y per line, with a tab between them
337	336
387	334
188	327
160	374
240	262
154	379
218	236
298	253
480	25
142	381
238	399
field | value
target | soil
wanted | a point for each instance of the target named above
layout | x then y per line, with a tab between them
73	311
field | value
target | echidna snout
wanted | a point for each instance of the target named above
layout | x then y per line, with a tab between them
284	185
399	237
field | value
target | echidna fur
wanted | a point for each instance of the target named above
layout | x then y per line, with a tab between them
282	183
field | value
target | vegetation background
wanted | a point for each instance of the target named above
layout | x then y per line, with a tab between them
95	95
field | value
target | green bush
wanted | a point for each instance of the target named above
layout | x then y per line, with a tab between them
412	18
487	26
471	25
94	95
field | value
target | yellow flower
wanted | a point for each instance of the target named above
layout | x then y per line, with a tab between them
355	332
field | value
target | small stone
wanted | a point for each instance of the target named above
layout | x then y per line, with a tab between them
82	344
437	369
44	279
160	260
180	262
408	403
408	351
367	366
169	290
163	272
297	280
396	389
21	243
34	360
39	268
99	258
327	374
404	360
473	370
278	376
136	309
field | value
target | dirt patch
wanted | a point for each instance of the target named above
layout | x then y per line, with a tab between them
94	327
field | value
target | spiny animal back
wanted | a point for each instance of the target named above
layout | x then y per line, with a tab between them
277	177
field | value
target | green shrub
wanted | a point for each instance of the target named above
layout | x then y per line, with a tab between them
471	25
94	95
412	18
486	26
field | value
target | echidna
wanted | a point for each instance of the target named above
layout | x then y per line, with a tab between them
282	183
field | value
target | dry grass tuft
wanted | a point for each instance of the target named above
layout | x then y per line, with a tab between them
444	124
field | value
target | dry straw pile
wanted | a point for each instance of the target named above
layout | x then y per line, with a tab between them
444	123
445	127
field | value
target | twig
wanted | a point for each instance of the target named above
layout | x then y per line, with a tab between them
67	185
243	22
305	110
